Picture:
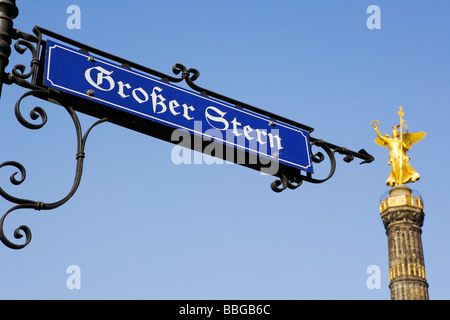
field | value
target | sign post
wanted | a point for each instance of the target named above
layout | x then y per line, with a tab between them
8	12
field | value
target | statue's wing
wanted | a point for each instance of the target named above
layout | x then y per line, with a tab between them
410	138
381	142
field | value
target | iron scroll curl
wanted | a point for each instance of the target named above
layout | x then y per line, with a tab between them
297	181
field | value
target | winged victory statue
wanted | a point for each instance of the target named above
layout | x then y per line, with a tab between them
401	171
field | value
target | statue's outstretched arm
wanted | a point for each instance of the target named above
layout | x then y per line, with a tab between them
375	126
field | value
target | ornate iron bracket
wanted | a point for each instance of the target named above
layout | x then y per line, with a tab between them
330	150
19	75
35	114
28	77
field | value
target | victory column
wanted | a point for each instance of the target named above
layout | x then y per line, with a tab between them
402	214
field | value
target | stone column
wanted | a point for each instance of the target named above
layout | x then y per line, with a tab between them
402	215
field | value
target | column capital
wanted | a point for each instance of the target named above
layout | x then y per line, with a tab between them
402	207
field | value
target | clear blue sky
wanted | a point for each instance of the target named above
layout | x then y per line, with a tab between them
141	227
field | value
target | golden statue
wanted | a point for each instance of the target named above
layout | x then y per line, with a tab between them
401	170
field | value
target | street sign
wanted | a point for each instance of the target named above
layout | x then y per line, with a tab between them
145	98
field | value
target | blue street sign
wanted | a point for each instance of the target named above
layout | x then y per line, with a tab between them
143	96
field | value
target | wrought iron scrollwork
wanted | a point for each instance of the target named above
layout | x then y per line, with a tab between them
190	74
36	113
285	183
318	157
26	42
21	46
27	77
